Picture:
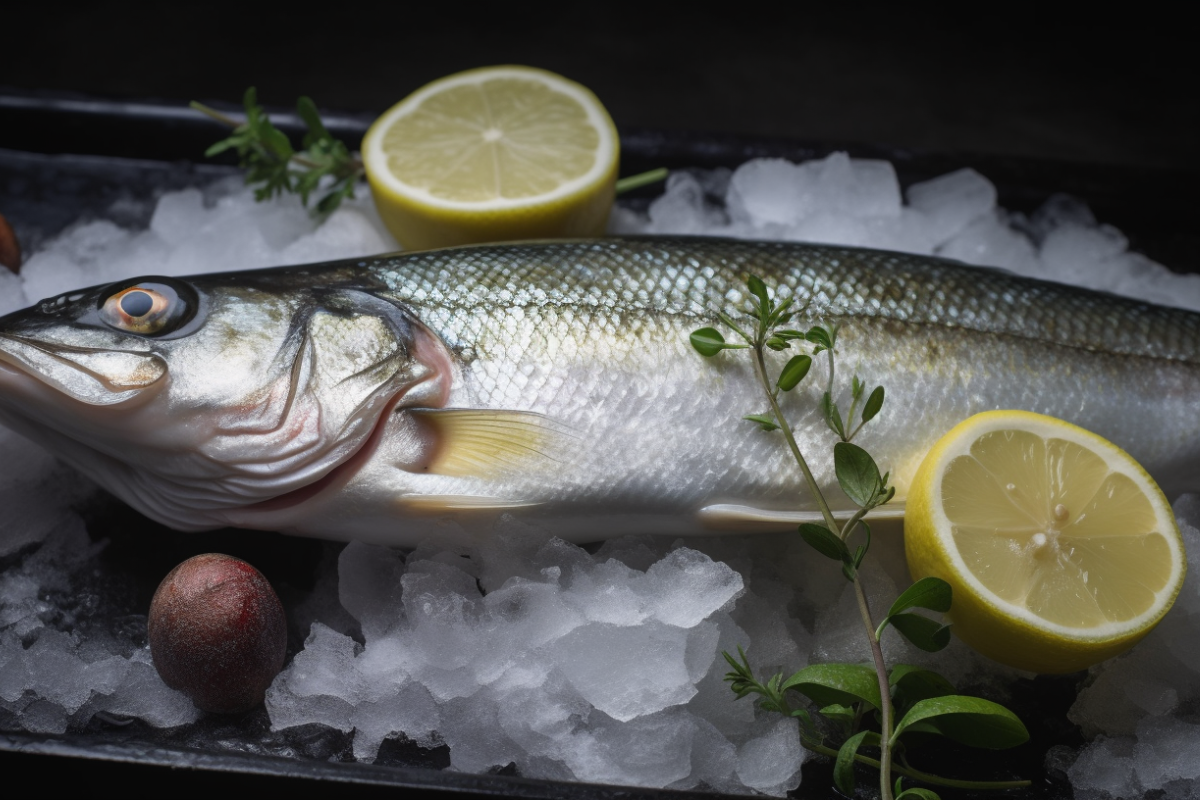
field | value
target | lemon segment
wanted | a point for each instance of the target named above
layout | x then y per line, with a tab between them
492	154
1060	549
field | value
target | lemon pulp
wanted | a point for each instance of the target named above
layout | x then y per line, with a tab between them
492	154
1060	549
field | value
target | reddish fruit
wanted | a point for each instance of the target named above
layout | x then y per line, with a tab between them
10	248
217	632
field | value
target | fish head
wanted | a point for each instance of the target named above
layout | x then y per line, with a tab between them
187	398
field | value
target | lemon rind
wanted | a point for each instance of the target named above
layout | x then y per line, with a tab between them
606	148
1118	461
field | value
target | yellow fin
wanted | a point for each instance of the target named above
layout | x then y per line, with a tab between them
445	503
747	519
484	443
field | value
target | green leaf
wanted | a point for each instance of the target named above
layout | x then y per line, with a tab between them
833	417
824	541
856	473
874	403
307	110
843	714
276	140
708	342
927	634
759	290
789	334
819	336
856	388
917	793
912	684
971	721
843	768
777	343
777	316
932	593
841	684
766	421
793	372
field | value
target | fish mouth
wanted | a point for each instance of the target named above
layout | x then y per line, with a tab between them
340	475
94	376
431	391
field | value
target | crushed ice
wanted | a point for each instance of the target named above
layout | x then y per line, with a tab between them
575	665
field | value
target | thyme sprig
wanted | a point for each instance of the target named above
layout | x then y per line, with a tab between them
270	161
872	706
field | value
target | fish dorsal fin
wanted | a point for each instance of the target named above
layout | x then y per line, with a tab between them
485	443
747	519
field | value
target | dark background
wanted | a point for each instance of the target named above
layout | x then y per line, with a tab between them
1106	104
1007	80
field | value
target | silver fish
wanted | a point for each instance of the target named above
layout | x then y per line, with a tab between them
415	395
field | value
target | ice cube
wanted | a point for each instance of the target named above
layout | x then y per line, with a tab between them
369	586
684	209
763	192
713	761
1105	770
472	729
142	694
408	708
770	762
176	214
44	716
990	242
653	750
713	700
321	685
1083	256
1060	210
768	190
1167	750
627	672
687	586
952	201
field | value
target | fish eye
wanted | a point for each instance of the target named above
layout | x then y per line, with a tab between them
148	308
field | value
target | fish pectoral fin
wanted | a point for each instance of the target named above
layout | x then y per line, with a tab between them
435	504
748	519
485	443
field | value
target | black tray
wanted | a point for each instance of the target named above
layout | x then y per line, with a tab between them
66	157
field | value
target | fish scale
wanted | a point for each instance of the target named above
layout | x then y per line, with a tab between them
555	380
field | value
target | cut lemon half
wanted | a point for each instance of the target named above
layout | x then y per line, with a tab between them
1060	549
492	154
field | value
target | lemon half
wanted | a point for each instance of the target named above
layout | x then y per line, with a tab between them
492	154
1060	549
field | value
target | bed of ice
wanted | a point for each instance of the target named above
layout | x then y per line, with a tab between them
599	664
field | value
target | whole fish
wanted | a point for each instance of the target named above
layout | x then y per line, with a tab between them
414	395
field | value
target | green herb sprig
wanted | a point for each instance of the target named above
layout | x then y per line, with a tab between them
862	702
271	162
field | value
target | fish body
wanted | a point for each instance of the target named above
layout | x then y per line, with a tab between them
401	397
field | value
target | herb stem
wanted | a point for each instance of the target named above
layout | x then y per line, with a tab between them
924	777
885	784
214	114
885	696
761	365
631	182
